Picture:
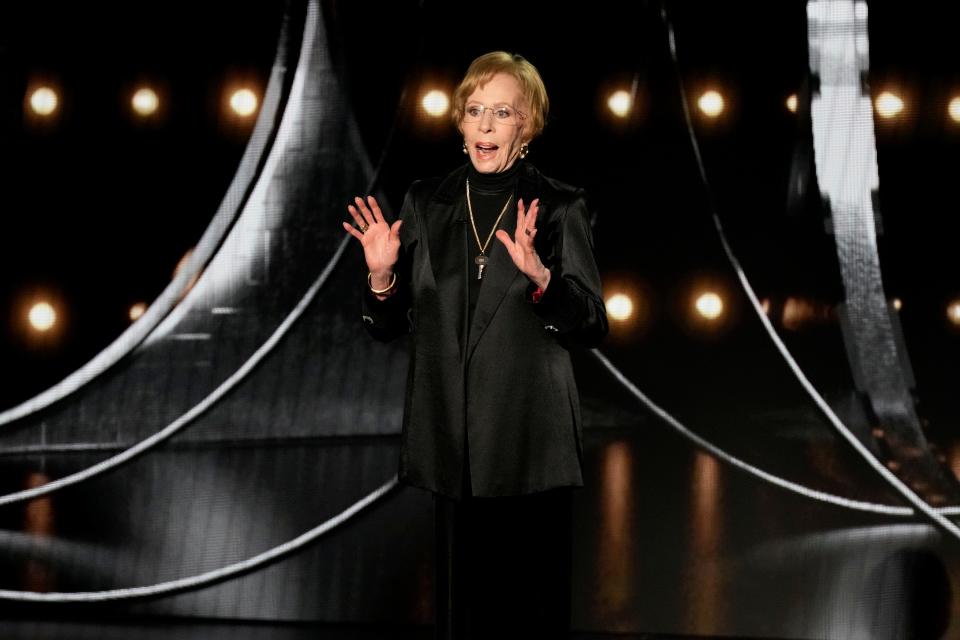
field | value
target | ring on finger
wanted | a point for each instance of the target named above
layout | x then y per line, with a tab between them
363	228
526	231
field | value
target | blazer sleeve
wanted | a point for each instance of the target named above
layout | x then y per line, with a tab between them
572	305
390	318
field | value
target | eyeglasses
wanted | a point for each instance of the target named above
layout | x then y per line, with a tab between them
502	114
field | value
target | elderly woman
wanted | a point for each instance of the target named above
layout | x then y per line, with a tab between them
492	408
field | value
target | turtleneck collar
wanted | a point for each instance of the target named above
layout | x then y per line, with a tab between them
501	182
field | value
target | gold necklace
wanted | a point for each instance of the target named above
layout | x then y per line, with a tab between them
482	259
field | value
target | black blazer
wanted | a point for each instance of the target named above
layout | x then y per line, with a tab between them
503	388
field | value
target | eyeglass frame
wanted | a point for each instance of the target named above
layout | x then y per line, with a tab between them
484	108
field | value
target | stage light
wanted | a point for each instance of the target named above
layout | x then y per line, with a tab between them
954	109
619	306
43	101
137	310
620	103
711	103
897	304
145	101
435	103
42	316
243	102
888	105
765	306
953	312
709	305
792	103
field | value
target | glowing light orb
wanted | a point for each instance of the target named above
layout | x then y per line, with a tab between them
711	103
243	102
709	305
44	101
435	103
619	306
145	101
42	316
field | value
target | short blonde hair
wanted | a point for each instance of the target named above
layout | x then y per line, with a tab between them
531	84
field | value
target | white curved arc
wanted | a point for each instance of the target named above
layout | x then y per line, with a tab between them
159	309
209	577
783	483
199	408
938	516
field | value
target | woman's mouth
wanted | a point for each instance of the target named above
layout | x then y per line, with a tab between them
486	150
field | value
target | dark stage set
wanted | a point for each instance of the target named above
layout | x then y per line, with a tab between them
770	447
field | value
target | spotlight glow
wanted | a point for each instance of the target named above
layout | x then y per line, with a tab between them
792	103
619	307
888	105
711	103
44	101
709	305
620	103
137	310
435	103
953	312
243	102
954	109
897	304
42	316
145	101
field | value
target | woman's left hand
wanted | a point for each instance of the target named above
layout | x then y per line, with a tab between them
521	248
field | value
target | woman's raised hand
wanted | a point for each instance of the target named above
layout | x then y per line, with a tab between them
521	247
381	242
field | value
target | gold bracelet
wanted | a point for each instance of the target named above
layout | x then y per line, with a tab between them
393	283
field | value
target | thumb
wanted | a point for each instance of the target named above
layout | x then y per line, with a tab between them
504	237
395	228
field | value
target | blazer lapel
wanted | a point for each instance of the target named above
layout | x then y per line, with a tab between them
500	273
446	224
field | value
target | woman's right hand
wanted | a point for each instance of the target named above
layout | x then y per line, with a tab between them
381	242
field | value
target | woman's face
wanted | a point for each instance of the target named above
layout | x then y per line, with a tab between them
493	139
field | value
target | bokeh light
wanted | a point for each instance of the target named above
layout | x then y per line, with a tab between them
709	305
711	103
42	316
44	101
243	102
137	310
145	101
435	103
888	105
620	103
619	307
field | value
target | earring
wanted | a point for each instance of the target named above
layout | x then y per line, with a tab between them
465	148
524	150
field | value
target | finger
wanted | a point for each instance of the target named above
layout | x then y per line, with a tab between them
395	229
362	206
353	231
531	219
375	209
356	216
520	216
504	237
529	246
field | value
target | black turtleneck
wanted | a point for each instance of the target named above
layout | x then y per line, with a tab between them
488	193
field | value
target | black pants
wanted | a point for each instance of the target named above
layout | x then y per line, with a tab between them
503	566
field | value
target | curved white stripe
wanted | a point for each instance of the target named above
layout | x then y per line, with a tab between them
209	577
936	515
